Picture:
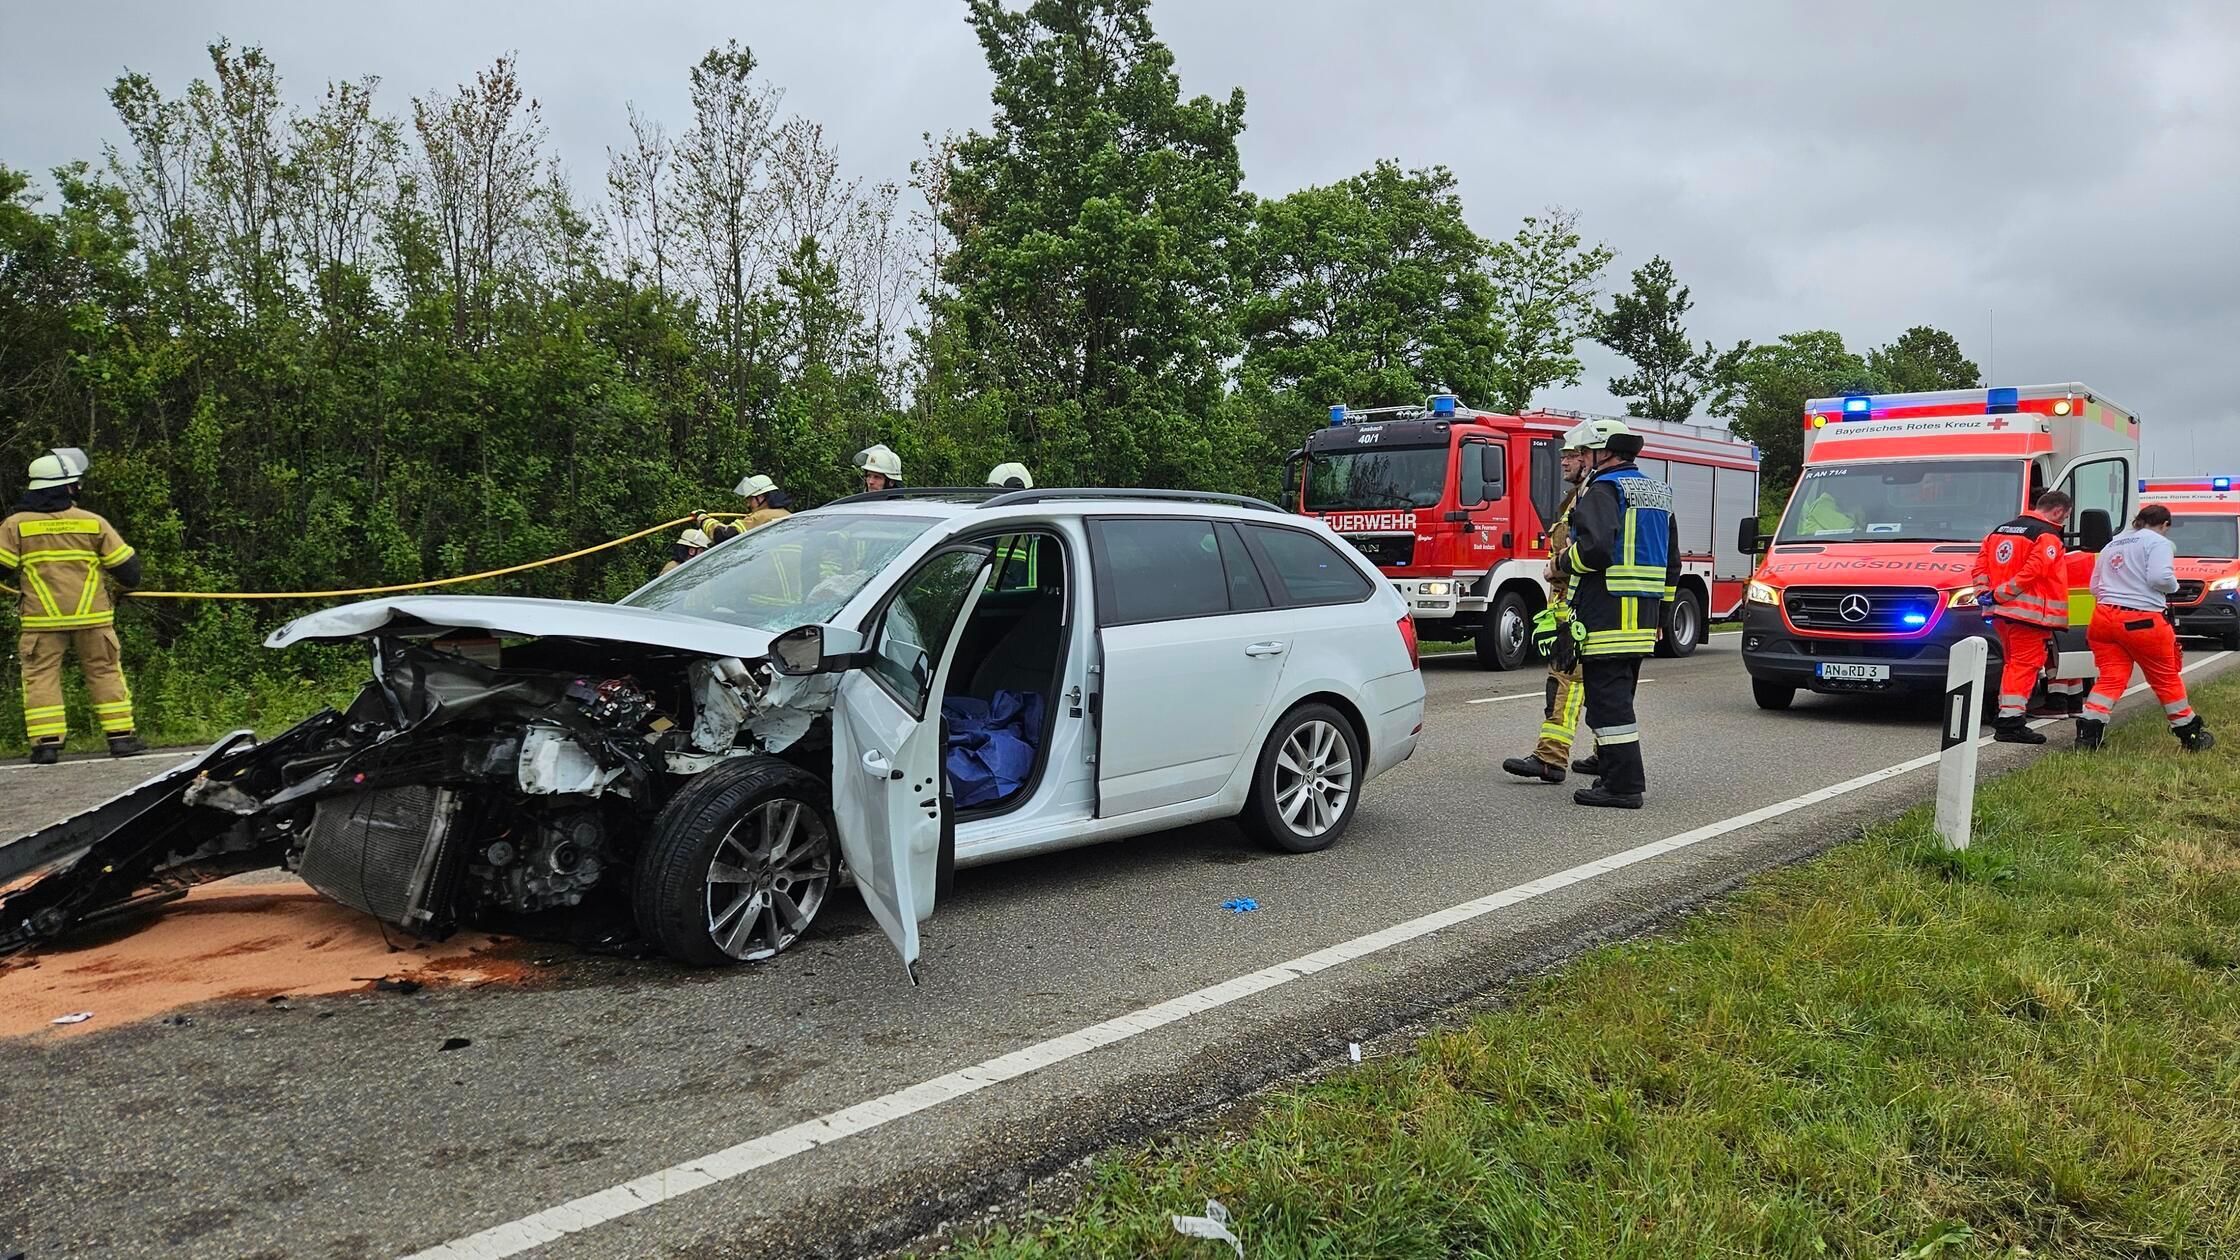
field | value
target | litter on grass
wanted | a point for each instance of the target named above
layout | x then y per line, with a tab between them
1214	1225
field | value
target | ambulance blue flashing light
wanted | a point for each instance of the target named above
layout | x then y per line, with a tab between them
1442	404
1916	619
2220	483
2002	401
1858	408
1337	415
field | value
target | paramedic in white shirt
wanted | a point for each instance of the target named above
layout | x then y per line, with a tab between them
2131	584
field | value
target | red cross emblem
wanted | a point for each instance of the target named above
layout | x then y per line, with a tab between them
1997	422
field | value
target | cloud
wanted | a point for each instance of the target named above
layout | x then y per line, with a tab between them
2065	170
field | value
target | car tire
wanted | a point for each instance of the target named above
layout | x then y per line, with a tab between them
1298	802
2231	642
752	833
1505	637
1683	629
1772	695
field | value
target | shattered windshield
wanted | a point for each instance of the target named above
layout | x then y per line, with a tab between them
1904	501
1379	477
791	572
2206	537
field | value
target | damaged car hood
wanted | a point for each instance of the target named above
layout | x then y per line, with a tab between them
539	618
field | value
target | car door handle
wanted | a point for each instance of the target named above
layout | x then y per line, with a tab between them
1270	648
876	765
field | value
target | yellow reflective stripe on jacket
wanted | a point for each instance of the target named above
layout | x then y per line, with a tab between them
68	525
117	557
85	621
9	558
35	587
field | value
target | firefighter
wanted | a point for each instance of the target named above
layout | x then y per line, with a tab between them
2131	582
881	468
60	553
1011	477
1553	628
690	543
1623	566
2023	592
761	494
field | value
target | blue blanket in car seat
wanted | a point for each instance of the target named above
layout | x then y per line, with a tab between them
992	745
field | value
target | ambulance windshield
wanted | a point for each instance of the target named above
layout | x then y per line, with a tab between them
2206	537
1378	478
1903	501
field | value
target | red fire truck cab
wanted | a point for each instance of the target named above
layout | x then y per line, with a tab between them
1452	504
2205	531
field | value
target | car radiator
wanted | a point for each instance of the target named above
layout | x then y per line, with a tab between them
387	852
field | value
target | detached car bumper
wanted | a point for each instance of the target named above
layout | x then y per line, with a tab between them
1774	653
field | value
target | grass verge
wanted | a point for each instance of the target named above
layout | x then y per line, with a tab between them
2030	1048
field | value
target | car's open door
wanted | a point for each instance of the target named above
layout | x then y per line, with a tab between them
887	756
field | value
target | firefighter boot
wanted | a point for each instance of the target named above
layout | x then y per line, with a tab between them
46	754
2089	731
2195	736
1606	799
126	745
1533	768
2015	730
1591	764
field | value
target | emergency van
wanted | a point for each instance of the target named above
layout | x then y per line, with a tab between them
2205	532
1452	504
1866	582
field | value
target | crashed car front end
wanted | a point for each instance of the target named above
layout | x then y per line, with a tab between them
507	758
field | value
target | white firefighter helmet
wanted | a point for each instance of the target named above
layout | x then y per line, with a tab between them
1012	476
880	459
754	486
1595	434
58	467
696	539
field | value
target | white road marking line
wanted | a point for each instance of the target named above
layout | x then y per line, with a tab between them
1533	695
579	1214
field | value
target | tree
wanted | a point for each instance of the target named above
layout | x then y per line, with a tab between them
481	152
1762	390
1545	288
1924	358
1670	375
1088	304
724	216
1368	291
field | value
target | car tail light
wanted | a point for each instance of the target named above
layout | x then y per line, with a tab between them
1408	636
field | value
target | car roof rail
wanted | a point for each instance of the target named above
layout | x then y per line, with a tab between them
1018	497
918	492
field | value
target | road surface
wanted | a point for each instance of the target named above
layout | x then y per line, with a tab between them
847	1104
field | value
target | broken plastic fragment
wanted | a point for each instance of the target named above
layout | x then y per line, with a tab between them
1214	1225
1240	905
74	1017
1354	1048
454	1043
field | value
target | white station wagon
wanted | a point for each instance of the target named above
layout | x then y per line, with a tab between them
904	682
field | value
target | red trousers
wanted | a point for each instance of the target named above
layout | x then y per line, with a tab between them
2121	638
2024	649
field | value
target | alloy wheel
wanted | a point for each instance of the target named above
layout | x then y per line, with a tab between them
1313	778
767	879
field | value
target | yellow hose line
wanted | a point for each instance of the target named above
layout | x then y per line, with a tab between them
420	586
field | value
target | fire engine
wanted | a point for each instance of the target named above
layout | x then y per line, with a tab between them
1866	582
2205	530
1453	504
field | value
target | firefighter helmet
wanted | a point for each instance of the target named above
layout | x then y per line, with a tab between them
754	487
1011	477
880	459
58	467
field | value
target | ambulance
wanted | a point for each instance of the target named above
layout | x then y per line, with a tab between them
1453	505
1865	584
2205	528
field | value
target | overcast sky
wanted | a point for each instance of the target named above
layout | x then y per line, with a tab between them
2066	176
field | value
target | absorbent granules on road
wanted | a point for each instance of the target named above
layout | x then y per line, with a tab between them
233	939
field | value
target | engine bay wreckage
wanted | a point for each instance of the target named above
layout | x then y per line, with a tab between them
509	760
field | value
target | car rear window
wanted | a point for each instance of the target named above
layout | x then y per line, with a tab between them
1306	568
1162	569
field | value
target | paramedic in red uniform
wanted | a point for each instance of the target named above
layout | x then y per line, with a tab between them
2023	589
2132	582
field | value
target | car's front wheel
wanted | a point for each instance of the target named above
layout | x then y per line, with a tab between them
1307	782
740	862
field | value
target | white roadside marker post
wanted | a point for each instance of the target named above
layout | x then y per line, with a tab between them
1963	715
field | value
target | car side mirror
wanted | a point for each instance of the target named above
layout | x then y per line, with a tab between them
2095	529
806	650
1747	539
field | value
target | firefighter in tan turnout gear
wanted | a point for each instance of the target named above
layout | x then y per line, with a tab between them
1559	634
60	554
